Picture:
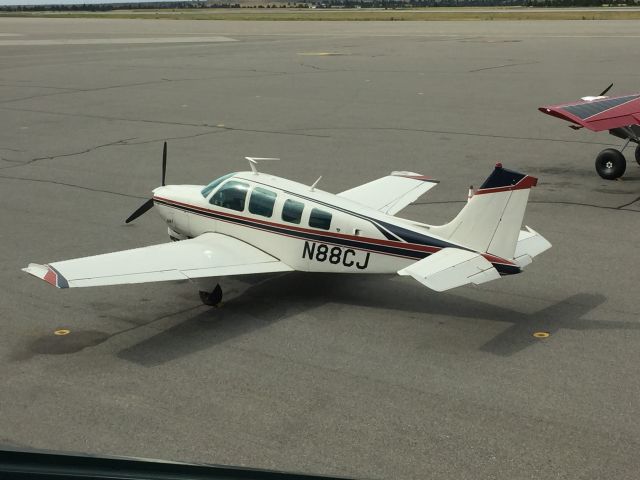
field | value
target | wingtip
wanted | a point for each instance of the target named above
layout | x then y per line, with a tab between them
48	274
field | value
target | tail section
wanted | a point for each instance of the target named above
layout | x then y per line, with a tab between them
490	221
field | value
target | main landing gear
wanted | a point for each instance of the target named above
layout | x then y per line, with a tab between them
212	298
611	164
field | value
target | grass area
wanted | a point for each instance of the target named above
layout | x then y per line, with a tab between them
343	14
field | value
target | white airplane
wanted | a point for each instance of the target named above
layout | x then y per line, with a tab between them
252	222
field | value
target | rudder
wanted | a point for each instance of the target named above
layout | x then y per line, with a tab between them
490	222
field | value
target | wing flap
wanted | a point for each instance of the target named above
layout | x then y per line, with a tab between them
209	255
450	268
392	193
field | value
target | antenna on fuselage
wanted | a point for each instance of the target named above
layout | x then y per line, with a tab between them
253	162
316	183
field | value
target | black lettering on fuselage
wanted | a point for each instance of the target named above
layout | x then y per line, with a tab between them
364	265
348	257
309	249
350	263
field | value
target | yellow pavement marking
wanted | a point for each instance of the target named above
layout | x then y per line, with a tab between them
541	334
62	331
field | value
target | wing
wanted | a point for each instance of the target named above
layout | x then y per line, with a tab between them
450	268
209	255
392	193
600	114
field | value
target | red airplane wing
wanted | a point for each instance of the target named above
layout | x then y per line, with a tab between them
597	115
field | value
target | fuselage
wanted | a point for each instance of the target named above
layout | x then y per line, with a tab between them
308	229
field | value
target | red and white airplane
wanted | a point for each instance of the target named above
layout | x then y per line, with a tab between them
252	222
619	115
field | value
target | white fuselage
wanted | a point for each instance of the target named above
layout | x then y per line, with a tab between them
356	239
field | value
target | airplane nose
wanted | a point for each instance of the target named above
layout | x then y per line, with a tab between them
160	191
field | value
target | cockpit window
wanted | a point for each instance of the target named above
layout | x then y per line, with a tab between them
231	195
209	188
320	219
261	202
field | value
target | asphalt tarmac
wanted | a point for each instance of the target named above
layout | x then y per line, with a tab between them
363	376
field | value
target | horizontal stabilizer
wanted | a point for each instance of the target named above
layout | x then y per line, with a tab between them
530	244
450	268
392	193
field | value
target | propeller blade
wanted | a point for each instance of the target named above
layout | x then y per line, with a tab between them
140	211
164	163
606	90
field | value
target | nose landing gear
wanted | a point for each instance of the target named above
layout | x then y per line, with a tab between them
212	298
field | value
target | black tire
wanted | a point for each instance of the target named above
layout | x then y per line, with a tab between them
610	164
638	153
212	298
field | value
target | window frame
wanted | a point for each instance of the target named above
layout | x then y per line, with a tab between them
324	213
246	189
267	193
284	205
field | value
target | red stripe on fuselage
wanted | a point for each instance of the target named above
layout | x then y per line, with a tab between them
391	243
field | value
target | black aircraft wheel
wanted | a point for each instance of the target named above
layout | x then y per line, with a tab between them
212	298
610	164
638	154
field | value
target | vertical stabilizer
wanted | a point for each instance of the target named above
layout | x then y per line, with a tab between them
490	221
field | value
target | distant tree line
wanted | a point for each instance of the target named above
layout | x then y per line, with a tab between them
470	3
105	7
388	4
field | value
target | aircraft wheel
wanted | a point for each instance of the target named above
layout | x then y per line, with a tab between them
212	298
638	154
610	164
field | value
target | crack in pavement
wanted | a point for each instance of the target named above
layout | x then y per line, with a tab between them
70	91
72	185
630	203
52	157
452	132
506	65
84	90
26	85
161	122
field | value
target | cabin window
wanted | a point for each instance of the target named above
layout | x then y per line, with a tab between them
231	195
292	211
320	219
209	188
261	202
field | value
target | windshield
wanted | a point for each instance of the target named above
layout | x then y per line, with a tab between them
209	188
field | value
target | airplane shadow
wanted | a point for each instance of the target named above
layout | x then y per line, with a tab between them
267	302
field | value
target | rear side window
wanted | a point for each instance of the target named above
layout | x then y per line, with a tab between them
292	211
320	219
231	195
262	201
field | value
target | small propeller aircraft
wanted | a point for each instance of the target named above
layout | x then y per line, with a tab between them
252	222
620	115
